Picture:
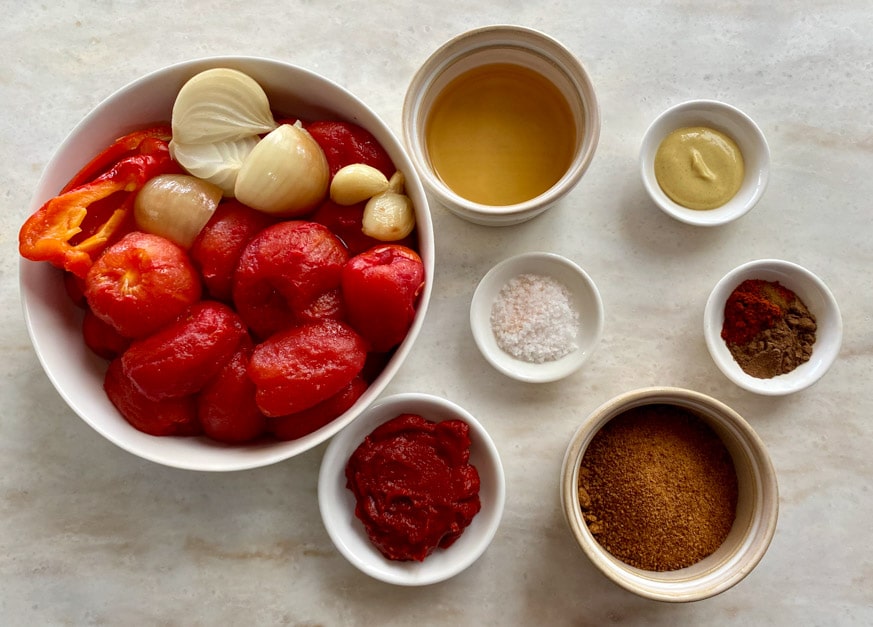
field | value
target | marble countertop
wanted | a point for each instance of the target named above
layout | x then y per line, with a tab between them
90	534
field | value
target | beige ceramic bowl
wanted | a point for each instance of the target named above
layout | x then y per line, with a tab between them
757	505
502	44
54	323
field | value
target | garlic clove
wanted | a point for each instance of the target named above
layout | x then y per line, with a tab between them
397	183
356	183
388	217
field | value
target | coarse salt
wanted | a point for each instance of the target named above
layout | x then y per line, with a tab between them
533	319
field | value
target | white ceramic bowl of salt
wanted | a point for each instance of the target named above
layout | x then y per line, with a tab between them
536	317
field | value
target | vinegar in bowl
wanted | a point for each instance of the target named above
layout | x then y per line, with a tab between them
500	134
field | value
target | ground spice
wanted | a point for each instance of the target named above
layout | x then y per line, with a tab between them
533	319
658	488
768	330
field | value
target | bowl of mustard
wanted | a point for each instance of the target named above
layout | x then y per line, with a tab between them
704	162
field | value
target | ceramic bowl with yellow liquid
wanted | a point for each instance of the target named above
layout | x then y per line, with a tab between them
501	123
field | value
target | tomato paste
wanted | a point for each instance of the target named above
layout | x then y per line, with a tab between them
414	486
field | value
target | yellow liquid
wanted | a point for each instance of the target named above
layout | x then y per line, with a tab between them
500	134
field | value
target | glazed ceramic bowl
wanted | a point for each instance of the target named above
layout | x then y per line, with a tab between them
337	503
583	296
513	45
54	323
814	294
729	120
757	502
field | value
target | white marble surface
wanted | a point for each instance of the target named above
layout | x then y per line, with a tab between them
92	535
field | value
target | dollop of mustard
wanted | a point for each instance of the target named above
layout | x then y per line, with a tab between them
699	167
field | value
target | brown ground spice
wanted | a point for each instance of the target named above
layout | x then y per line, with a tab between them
658	488
781	348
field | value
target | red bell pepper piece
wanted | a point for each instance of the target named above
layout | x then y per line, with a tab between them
50	234
130	144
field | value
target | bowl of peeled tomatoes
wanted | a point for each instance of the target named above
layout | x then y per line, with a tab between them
225	263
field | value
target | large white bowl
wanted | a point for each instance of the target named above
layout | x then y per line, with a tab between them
337	503
53	322
814	294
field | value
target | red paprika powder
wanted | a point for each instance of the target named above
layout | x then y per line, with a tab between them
768	330
755	305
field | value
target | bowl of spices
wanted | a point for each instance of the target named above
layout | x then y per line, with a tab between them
772	327
670	493
412	493
704	162
536	317
501	121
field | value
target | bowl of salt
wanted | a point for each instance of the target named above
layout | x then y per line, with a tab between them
536	317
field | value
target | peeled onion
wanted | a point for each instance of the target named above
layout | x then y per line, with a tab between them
218	163
218	117
219	105
286	174
176	206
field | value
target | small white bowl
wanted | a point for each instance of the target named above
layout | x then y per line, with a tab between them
54	323
757	501
502	44
337	503
814	294
584	296
729	120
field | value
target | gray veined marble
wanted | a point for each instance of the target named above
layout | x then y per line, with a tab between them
92	535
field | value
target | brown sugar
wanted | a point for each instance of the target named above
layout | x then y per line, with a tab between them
658	488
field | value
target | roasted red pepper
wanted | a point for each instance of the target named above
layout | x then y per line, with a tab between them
131	144
71	229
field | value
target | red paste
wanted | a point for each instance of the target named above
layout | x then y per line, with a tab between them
414	486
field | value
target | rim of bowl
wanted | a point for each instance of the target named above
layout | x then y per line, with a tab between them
37	307
337	504
586	298
532	40
814	293
684	585
728	119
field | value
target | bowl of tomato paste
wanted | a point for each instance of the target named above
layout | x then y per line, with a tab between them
204	373
412	493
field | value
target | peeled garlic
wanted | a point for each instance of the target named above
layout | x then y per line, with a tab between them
356	183
217	163
219	105
175	206
388	217
285	174
397	182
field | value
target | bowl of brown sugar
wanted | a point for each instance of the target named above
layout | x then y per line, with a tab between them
670	493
